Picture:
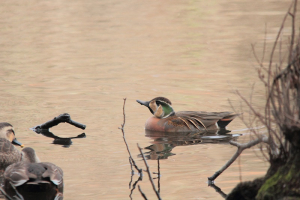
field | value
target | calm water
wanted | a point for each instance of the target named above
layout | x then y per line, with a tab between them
84	57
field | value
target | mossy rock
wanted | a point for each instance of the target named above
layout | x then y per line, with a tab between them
246	190
284	184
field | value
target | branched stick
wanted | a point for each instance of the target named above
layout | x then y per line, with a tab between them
142	193
241	148
62	118
149	173
133	186
132	172
122	129
158	175
4	193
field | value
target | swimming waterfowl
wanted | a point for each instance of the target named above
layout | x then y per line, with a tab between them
25	173
7	132
9	154
42	180
165	119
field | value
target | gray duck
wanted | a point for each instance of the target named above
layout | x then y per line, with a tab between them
24	173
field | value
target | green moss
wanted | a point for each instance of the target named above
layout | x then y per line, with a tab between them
284	183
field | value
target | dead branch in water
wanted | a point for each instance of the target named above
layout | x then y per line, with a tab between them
142	193
132	162
134	185
62	118
127	147
158	175
280	115
241	148
4	194
218	190
149	173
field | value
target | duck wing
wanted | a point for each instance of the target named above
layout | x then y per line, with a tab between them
53	172
16	173
202	119
8	154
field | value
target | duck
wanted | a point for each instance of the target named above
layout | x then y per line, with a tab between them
41	180
7	132
165	119
9	154
24	173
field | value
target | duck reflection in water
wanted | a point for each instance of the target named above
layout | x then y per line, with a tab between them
163	143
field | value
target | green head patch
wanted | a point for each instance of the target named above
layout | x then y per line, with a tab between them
167	108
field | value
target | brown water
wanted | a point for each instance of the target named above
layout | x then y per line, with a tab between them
84	57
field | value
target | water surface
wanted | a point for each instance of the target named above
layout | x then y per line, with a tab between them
84	57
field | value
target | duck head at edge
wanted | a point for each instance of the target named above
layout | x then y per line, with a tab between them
7	132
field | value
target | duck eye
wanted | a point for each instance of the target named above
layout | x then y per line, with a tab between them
11	131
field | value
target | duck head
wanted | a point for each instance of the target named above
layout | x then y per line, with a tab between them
160	107
7	132
29	155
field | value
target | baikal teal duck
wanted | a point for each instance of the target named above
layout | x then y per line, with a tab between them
165	119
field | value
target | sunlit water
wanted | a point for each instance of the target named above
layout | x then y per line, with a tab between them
84	57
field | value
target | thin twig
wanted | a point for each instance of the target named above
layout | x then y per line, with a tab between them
132	172
131	160
4	193
133	186
122	129
240	169
17	193
218	190
158	175
149	173
142	193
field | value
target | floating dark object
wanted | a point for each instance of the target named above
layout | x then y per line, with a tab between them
63	118
66	142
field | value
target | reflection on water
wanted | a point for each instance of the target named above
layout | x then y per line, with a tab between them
163	143
66	142
218	190
63	118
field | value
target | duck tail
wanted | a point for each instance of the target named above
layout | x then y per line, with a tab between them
222	123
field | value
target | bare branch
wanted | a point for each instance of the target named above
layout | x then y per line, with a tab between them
241	148
122	129
149	173
4	193
218	190
142	193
